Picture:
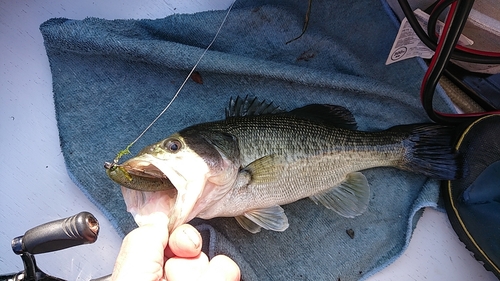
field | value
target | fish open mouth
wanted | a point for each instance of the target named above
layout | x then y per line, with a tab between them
143	204
148	177
148	191
152	185
163	182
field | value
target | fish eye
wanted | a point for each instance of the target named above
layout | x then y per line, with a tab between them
172	145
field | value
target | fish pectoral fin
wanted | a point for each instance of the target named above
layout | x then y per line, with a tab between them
272	218
349	199
248	224
265	169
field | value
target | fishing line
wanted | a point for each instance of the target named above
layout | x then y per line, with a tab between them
127	149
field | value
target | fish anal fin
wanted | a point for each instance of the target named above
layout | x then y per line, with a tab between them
272	218
349	199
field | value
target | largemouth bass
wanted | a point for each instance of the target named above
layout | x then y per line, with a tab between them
261	157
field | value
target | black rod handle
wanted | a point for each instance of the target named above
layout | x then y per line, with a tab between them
82	228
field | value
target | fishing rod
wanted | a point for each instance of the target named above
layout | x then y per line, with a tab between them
80	229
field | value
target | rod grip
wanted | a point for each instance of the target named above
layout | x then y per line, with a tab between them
82	228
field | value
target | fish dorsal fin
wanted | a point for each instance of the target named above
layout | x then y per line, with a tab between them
326	114
272	218
349	199
265	169
250	107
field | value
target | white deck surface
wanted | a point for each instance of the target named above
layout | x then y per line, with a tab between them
34	185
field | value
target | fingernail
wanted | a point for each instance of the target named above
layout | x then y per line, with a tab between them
193	236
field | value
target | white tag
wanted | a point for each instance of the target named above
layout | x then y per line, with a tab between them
408	45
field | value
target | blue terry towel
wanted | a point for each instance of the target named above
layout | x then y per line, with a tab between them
111	79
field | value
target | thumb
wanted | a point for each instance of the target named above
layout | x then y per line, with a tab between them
185	241
141	255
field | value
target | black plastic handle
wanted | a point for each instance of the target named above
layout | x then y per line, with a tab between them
82	228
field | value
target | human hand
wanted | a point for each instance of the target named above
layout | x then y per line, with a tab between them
147	254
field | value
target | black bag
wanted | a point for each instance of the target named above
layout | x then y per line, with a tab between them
473	202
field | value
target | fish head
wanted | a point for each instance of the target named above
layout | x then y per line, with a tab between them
179	176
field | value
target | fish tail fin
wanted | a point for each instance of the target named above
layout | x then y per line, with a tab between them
429	150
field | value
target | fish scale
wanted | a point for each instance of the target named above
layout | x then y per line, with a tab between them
317	157
299	137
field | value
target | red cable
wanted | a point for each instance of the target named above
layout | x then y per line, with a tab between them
477	52
432	64
463	48
439	46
